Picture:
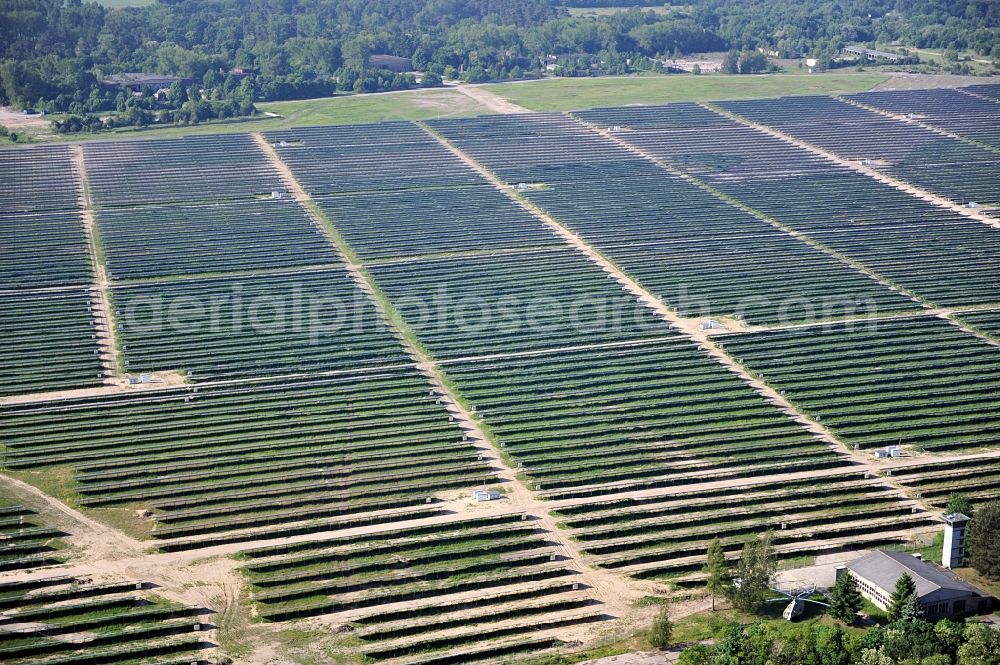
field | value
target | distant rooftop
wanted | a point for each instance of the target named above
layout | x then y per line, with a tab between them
871	53
380	59
138	78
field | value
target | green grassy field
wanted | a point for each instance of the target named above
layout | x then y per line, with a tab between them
410	105
581	93
345	110
542	95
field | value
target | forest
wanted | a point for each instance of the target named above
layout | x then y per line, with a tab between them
54	53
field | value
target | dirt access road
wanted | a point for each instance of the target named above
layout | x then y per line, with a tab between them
493	102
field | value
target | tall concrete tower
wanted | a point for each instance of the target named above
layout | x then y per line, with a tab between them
954	540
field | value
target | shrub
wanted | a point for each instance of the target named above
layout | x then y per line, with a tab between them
662	628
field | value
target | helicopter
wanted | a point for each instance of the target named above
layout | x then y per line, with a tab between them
798	602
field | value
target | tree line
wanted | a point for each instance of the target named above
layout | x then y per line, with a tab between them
904	642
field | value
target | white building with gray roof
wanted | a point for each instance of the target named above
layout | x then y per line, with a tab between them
941	592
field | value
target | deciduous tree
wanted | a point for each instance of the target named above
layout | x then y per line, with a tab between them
753	575
958	503
983	540
752	62
731	63
982	646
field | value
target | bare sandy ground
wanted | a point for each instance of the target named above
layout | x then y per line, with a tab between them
13	119
106	336
116	386
638	658
208	578
492	101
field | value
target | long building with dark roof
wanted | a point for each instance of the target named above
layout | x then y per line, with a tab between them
941	592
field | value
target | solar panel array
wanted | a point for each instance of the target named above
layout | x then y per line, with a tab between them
955	169
462	305
48	318
937	255
952	110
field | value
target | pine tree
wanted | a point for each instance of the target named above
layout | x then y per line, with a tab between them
912	610
845	599
662	628
716	569
900	600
